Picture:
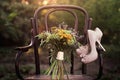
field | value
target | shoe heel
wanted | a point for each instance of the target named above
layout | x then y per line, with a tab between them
101	45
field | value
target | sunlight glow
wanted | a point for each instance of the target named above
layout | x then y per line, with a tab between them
45	2
25	2
39	3
54	1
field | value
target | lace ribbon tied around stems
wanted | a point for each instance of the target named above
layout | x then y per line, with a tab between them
60	56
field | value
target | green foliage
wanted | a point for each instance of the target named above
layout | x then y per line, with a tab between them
14	23
106	15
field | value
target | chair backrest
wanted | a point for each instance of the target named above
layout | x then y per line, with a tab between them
51	9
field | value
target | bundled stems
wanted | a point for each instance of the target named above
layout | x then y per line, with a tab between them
65	70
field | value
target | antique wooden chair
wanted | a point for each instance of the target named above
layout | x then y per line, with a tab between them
34	43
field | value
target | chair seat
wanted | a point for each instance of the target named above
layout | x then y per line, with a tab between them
71	77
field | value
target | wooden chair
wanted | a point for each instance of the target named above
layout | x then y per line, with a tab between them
35	45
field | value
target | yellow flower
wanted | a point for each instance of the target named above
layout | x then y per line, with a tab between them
64	35
53	29
61	33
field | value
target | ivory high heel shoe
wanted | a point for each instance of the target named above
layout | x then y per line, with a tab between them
82	50
94	36
98	31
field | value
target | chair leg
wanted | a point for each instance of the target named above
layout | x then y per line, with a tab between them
84	68
17	65
100	59
72	63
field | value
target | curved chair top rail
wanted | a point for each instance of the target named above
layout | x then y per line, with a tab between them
64	7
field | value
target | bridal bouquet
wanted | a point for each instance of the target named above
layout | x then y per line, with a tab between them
60	42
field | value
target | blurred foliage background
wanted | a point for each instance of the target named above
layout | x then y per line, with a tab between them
15	18
15	26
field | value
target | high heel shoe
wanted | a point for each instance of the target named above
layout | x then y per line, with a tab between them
99	35
94	36
82	50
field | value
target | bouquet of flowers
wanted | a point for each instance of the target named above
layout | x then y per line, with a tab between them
60	42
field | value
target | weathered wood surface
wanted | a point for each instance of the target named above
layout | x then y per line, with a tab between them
71	77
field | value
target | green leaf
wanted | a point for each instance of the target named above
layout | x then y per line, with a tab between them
11	16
